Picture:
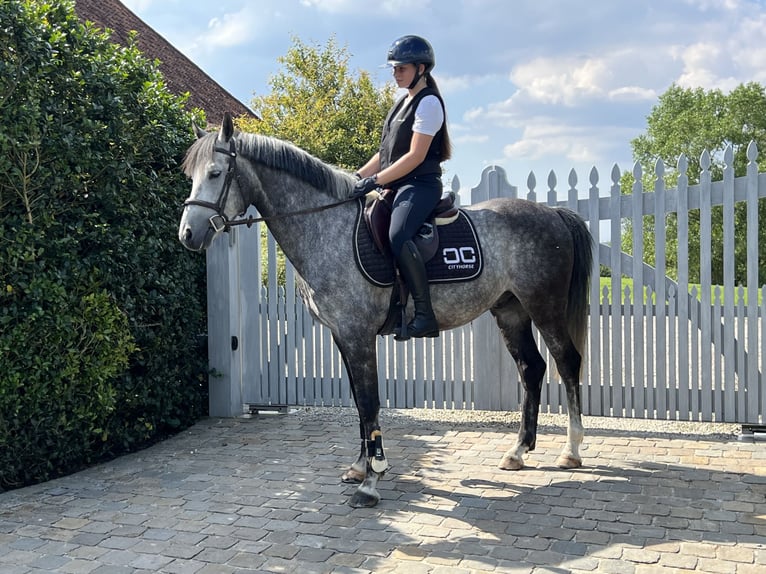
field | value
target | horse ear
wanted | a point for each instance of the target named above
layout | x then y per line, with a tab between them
227	127
198	131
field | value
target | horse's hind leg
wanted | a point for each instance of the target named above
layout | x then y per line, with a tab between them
568	362
516	328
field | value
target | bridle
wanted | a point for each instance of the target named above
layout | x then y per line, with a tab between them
219	222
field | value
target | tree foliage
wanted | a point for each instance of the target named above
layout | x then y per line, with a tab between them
688	121
318	104
100	307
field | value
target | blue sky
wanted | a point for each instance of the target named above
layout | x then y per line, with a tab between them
530	85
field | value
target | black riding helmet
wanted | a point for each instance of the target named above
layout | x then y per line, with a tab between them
412	50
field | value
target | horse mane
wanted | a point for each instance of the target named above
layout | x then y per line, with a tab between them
276	154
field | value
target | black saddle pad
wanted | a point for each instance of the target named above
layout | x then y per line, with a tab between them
458	257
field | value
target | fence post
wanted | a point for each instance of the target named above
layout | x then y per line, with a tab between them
223	331
753	382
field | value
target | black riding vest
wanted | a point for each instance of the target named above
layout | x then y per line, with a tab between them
397	138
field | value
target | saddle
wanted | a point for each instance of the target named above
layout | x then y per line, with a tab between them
377	216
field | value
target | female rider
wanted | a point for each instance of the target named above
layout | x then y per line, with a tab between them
413	145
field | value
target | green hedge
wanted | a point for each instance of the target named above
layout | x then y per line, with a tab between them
101	309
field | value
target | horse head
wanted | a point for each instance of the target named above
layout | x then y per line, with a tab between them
216	195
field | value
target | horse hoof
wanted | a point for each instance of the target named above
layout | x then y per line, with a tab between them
511	463
362	499
568	461
352	476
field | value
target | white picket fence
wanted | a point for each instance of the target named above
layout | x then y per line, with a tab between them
695	357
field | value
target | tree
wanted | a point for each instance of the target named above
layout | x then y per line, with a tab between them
688	121
320	106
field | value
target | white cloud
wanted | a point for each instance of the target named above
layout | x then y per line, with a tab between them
729	49
627	93
470	138
546	137
706	5
452	84
570	81
704	62
138	6
230	29
226	30
330	5
394	7
470	84
473	114
750	50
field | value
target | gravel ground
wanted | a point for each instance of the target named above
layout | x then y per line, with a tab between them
555	423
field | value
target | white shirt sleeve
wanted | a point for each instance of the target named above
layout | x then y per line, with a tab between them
429	116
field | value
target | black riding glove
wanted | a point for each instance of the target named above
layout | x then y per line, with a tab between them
365	185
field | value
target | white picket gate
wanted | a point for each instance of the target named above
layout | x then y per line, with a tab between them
695	357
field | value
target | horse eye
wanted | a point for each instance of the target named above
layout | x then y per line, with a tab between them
215	173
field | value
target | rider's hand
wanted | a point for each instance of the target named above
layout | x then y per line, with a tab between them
366	185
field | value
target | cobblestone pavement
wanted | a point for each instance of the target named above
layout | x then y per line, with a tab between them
263	495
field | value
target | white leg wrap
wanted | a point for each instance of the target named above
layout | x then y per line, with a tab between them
575	434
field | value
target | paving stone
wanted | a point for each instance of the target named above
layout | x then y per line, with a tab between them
281	551
72	523
679	561
78	566
569	548
110	569
314	554
149	562
183	566
215	555
26	544
263	495
50	562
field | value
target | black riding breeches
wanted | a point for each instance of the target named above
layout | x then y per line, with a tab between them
414	202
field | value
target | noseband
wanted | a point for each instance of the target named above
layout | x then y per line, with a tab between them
219	222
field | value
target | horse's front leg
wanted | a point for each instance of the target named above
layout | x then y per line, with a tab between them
367	494
357	471
359	357
372	457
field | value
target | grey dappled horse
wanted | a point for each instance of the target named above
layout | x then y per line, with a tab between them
537	269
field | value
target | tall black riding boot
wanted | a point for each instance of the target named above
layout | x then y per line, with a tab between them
413	270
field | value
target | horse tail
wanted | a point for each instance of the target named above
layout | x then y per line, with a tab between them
577	308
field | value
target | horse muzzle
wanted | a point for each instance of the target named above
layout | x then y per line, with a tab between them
196	241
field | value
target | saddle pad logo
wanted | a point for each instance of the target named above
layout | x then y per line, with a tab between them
458	257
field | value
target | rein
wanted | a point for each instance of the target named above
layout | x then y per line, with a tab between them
250	220
219	222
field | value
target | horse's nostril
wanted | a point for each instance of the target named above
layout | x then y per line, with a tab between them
187	235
